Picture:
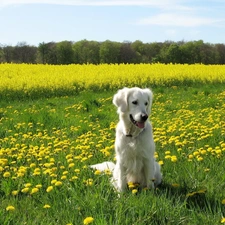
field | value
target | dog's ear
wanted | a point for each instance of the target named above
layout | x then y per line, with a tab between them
120	99
150	98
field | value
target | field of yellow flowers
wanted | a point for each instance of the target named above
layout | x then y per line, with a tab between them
57	120
48	80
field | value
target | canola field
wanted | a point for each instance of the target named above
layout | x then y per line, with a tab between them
57	120
46	80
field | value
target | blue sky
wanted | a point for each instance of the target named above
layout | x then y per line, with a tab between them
36	21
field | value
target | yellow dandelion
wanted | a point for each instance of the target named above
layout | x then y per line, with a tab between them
71	165
14	193
10	208
223	201
38	186
58	183
53	181
131	185
134	191
222	220
97	172
49	189
25	190
27	185
6	174
46	206
173	158
161	162
34	190
88	220
63	177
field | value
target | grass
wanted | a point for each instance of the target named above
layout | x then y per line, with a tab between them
46	140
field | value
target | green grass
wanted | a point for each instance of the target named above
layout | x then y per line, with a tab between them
62	136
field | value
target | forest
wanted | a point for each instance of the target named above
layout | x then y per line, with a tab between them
94	52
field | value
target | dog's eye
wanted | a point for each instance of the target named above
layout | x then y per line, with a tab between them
146	103
135	102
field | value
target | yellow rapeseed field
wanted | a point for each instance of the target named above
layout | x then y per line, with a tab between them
32	78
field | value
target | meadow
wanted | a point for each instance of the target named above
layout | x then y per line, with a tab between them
57	120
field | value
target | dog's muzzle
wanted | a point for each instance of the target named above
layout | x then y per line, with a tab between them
141	123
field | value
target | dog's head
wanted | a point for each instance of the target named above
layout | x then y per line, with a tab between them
135	103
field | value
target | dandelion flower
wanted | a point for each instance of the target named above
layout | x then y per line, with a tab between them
49	188
34	190
10	208
46	206
222	220
14	193
6	174
25	190
134	191
223	202
88	220
97	172
58	183
173	158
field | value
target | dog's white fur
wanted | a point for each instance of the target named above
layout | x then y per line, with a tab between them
134	144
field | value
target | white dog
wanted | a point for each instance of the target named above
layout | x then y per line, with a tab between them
134	142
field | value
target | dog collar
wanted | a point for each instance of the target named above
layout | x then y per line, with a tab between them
135	134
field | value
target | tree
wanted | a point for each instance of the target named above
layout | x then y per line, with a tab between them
110	52
220	53
86	52
42	52
65	52
23	53
127	53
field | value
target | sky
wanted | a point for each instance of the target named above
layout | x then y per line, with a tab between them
37	21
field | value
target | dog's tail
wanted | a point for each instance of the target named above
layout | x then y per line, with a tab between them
104	166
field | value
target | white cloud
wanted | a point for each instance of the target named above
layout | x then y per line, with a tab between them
179	20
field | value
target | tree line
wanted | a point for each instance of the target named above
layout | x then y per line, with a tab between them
84	51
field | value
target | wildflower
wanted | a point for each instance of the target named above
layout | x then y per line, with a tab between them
63	177
49	189
6	174
223	201
34	190
71	165
88	220
134	191
25	190
38	186
77	170
27	185
131	185
46	206
53	181
14	193
97	172
173	158
161	162
58	183
222	220
167	152
10	208
89	182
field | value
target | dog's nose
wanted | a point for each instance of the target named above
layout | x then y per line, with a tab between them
144	117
